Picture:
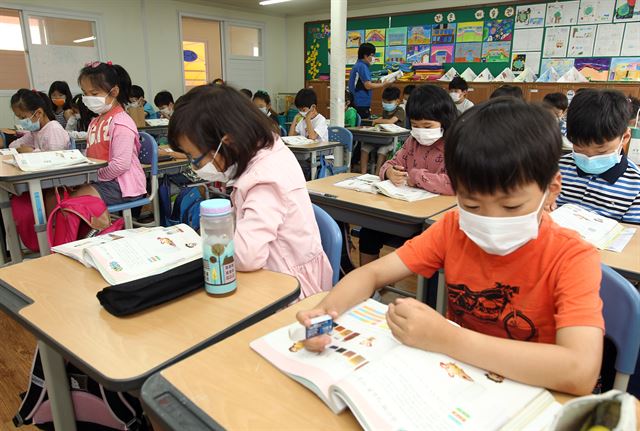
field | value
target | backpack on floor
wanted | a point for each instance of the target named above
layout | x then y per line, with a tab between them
95	408
186	208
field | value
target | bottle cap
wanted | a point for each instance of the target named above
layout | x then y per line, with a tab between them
215	207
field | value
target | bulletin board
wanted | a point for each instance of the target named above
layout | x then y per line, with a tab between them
601	38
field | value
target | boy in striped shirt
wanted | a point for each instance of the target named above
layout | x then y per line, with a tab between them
597	175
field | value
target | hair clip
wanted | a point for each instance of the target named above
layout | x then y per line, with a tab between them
34	90
109	63
92	64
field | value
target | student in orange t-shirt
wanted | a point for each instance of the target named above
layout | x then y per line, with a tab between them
524	290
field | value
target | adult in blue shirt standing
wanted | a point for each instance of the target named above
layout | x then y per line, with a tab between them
360	84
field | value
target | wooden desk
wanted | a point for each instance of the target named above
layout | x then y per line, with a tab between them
15	181
241	390
54	297
627	262
313	150
377	137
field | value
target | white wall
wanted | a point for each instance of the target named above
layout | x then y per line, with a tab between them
143	36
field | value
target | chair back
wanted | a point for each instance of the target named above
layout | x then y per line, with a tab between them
72	143
291	114
331	238
283	131
621	310
344	136
149	156
358	120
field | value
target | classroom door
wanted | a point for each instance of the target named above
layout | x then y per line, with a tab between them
201	50
245	55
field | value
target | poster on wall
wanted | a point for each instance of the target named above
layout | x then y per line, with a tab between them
470	32
595	11
442	34
523	60
496	52
418	54
375	36
470	52
594	69
608	40
581	41
631	41
625	69
378	57
626	11
397	54
499	30
528	16
562	13
561	65
442	54
352	55
419	35
397	36
355	38
528	39
555	42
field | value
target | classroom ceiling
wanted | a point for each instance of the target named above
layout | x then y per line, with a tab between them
300	7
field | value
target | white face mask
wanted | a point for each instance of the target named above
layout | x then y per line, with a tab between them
97	104
500	235
264	110
210	173
426	136
167	112
455	96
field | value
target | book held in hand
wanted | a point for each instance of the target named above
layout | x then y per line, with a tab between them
372	184
388	385
129	255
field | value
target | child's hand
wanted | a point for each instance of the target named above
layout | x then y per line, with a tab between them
418	325
312	112
397	175
24	149
376	121
315	344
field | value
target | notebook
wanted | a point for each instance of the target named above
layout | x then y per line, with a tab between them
369	183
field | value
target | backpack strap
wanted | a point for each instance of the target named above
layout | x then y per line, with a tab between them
121	409
35	393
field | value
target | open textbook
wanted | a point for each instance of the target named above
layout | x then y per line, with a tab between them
372	184
155	122
128	255
297	140
48	160
388	385
603	232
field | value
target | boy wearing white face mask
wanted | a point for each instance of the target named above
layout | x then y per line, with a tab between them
420	161
598	175
164	102
309	122
458	89
263	101
524	291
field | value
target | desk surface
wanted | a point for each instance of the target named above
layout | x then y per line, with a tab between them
13	173
242	390
362	130
316	146
422	210
55	298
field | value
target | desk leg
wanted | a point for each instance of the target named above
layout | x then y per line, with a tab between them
39	215
10	227
57	383
313	156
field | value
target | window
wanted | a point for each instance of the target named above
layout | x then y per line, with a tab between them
245	41
195	63
61	31
14	73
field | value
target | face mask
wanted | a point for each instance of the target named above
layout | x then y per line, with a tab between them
28	125
97	104
500	235
167	111
389	107
426	136
455	96
264	110
58	101
303	113
598	164
209	172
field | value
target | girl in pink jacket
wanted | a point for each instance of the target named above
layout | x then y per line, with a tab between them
229	140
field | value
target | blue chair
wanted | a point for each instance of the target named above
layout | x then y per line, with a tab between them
358	120
621	310
72	143
291	114
283	131
344	136
331	239
148	155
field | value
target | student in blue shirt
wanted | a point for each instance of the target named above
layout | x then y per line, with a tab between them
360	84
136	97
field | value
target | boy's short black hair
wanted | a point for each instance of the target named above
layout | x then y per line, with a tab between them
163	98
136	91
348	97
305	98
391	93
247	92
508	90
597	116
635	107
502	144
263	95
458	83
366	49
430	102
557	100
408	89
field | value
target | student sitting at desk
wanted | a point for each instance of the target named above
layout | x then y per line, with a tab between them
458	90
61	97
392	113
229	140
136	100
420	161
598	175
164	102
36	118
309	122
263	101
350	113
524	290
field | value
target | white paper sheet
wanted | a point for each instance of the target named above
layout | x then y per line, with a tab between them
555	42
581	41
531	15
608	40
562	13
527	39
595	11
622	240
631	41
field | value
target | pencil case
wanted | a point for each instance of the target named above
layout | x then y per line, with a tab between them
614	410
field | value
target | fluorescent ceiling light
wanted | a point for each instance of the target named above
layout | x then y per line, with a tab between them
84	39
268	2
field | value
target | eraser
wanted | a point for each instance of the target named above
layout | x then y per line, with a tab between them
297	332
319	325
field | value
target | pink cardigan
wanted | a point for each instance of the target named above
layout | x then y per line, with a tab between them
425	165
275	225
51	137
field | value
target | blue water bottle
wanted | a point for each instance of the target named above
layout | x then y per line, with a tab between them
216	229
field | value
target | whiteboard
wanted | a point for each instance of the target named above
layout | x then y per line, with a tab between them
59	63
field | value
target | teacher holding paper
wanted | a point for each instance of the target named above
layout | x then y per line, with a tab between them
360	84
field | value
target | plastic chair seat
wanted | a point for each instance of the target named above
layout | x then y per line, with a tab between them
129	205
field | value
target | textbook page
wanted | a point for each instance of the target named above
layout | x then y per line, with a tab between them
405	193
393	128
49	160
8	152
153	122
363	183
148	253
593	228
297	140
